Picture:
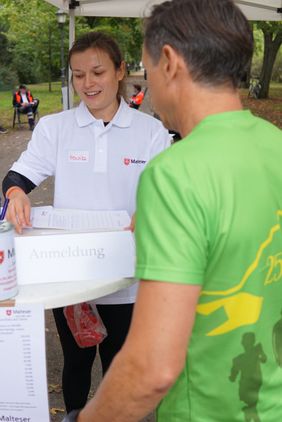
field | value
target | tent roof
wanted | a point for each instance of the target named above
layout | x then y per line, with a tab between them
269	10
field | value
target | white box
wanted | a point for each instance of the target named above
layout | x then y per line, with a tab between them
43	257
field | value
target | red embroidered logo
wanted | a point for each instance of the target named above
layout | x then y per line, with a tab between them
2	256
8	312
126	161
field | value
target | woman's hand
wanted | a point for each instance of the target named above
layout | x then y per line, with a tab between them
18	212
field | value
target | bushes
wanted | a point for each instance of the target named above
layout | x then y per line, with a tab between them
8	78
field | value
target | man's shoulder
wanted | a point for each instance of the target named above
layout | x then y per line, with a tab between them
171	158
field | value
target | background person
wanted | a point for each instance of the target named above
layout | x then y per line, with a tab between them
117	142
208	233
25	103
3	130
137	97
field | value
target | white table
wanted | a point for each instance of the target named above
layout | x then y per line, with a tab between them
54	295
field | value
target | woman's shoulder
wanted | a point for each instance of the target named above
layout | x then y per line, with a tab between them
146	119
58	117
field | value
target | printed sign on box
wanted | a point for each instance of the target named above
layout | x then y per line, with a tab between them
74	256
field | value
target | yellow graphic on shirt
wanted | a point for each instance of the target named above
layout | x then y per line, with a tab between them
242	308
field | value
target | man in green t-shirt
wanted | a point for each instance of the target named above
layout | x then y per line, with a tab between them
205	342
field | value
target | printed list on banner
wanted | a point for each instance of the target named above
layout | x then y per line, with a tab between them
23	364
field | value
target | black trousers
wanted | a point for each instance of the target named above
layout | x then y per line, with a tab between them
76	378
29	109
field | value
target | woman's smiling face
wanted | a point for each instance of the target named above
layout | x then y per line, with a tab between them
96	81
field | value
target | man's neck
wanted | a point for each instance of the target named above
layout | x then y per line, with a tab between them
202	101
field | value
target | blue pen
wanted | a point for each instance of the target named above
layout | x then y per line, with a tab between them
5	206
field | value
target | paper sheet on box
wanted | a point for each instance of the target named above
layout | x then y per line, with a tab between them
24	395
69	219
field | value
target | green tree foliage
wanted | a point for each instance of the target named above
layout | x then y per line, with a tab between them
4	44
29	25
30	40
30	43
7	75
126	31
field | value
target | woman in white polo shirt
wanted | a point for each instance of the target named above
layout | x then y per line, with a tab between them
96	153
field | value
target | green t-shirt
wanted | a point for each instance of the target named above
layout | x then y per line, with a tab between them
209	212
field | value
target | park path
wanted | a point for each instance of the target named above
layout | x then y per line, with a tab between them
11	146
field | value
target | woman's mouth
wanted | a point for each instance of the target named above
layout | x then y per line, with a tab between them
92	93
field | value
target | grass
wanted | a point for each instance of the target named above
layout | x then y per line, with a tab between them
50	102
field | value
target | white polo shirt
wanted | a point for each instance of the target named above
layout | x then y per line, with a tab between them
95	166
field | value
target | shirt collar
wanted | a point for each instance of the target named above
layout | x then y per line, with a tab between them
122	118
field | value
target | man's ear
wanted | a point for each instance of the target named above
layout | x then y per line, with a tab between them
170	62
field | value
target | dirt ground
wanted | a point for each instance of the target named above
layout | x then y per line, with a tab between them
11	145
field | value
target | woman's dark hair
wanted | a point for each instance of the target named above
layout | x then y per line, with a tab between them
214	38
103	42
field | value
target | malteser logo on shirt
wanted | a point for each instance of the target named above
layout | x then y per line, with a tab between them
128	161
2	256
79	156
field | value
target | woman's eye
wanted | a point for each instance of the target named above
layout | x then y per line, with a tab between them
78	76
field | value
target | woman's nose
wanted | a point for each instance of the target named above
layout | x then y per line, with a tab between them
89	80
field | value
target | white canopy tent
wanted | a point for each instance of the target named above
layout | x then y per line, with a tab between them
254	9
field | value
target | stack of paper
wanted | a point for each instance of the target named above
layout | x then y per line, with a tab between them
82	220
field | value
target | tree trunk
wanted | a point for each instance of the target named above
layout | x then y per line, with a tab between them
271	47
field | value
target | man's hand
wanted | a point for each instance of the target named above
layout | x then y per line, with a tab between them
18	212
131	227
152	356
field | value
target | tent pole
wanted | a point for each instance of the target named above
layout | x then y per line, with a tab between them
71	40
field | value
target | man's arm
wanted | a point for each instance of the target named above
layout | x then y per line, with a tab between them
152	357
